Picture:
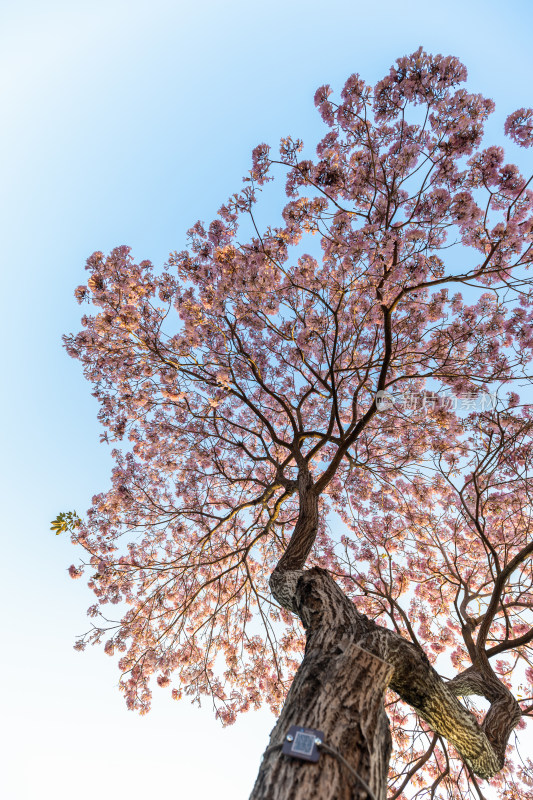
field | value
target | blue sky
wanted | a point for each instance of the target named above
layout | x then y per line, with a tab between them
123	123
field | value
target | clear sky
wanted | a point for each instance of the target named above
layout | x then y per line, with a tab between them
123	122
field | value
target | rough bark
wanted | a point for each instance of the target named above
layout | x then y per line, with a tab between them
504	712
338	689
349	661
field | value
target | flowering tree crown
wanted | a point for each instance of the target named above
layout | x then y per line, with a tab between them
249	373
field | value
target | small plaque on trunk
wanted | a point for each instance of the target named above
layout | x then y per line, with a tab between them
303	743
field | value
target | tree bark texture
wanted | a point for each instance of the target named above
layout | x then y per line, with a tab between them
339	688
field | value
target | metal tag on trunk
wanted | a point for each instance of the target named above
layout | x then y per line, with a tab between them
303	743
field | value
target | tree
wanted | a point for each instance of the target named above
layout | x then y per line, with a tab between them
311	440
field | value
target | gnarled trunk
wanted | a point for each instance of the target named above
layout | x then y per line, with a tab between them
339	688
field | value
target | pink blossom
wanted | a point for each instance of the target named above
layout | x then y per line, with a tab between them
519	127
75	572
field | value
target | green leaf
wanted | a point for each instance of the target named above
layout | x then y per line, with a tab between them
66	521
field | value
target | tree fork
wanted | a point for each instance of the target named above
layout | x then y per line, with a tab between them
339	688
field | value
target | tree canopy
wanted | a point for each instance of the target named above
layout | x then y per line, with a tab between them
339	389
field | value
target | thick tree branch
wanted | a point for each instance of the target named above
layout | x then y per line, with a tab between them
321	605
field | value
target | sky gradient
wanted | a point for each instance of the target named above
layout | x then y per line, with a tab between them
123	123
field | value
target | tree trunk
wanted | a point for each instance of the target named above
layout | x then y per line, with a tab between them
339	690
